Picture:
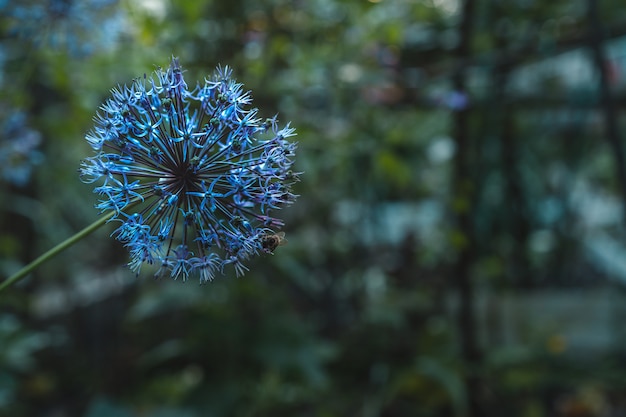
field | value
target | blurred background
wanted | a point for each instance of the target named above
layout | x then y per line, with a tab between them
457	248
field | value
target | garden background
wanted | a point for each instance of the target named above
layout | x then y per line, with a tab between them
457	248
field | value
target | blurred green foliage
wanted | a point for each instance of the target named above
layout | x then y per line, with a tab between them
358	314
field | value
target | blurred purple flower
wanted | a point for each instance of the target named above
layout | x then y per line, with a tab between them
80	27
18	149
453	100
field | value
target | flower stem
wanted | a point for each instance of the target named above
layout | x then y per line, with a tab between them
55	251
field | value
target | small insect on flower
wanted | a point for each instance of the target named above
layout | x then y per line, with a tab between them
192	175
271	242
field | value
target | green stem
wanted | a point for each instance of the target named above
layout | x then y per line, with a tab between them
56	250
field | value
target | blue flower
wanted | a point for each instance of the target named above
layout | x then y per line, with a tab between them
192	175
18	149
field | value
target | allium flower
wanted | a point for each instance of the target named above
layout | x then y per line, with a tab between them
192	174
18	149
80	27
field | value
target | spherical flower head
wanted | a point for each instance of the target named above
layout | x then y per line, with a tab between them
192	175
